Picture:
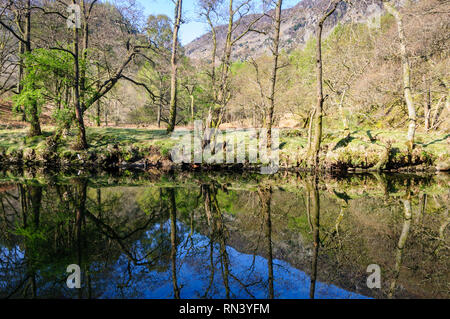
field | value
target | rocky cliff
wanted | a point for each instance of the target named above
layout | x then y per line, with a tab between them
298	26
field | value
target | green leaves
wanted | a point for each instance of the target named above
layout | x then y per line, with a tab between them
46	73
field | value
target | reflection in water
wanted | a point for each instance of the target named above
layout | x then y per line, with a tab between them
265	195
401	242
313	195
173	241
304	237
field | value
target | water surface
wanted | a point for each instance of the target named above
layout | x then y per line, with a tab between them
224	236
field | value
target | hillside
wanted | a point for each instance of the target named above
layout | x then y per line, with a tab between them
297	27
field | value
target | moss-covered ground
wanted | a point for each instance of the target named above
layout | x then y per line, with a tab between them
360	149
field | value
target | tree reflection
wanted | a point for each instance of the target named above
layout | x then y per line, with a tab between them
407	217
215	240
314	217
173	241
218	232
265	195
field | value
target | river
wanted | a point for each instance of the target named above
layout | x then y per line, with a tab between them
224	235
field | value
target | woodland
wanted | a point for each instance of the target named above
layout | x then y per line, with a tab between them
355	95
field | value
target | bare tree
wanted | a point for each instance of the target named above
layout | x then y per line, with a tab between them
406	74
236	29
8	63
314	152
209	10
275	67
174	65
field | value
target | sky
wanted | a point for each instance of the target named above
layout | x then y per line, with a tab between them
193	28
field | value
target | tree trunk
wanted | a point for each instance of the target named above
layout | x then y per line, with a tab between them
406	76
213	71
98	103
173	82
173	242
84	57
82	142
192	108
20	78
223	91
314	153
401	244
158	119
265	196
35	126
344	116
273	78
315	221
437	113
427	109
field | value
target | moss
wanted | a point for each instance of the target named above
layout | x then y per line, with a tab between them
361	149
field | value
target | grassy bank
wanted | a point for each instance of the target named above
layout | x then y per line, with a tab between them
112	147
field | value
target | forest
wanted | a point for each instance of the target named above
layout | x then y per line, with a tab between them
87	82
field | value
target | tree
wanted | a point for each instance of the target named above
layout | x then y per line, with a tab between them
237	28
314	152
190	85
88	91
174	65
157	75
8	63
406	75
18	22
49	74
78	82
273	78
209	10
159	31
347	56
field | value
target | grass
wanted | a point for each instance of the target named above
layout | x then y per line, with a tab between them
13	139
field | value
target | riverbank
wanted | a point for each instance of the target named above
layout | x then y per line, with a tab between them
361	150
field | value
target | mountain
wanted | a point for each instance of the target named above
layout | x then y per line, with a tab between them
298	26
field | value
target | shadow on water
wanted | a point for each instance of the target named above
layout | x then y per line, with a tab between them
216	236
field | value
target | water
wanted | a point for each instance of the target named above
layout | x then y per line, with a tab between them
196	235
